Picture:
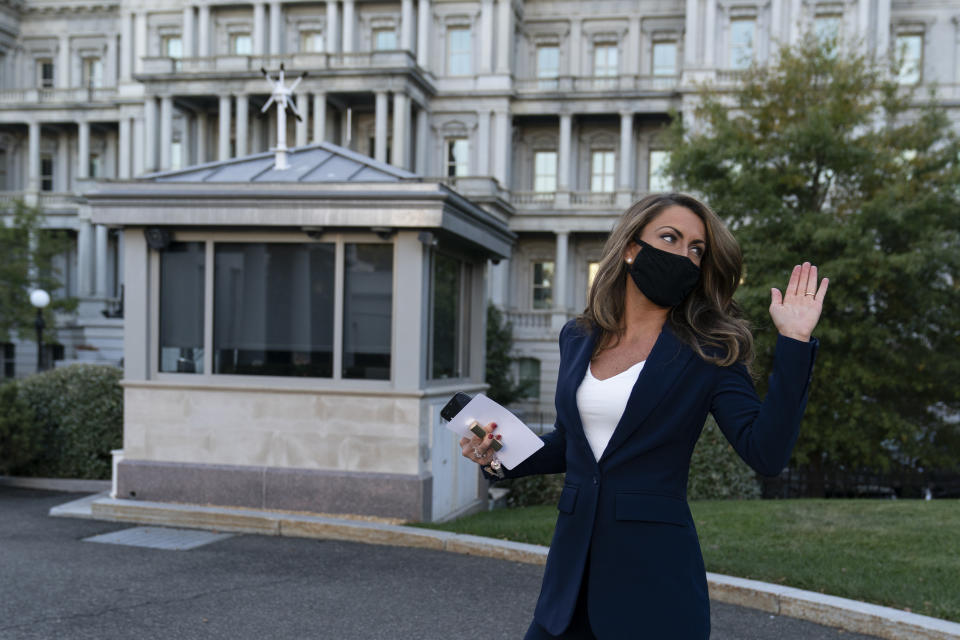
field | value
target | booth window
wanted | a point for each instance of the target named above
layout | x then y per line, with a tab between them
446	317
367	310
181	307
273	309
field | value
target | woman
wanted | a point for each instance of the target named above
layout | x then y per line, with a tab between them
659	346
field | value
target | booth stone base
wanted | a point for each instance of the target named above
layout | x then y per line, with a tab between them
387	495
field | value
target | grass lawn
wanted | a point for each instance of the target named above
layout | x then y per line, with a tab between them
899	553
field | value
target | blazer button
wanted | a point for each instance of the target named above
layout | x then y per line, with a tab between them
596	480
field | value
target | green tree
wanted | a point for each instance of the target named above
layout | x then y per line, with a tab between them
823	156
503	388
28	253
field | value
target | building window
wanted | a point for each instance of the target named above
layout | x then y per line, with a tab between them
545	171
3	170
92	72
543	285
46	172
384	39
910	56
176	154
94	167
827	27
273	309
172	46
9	360
605	59
45	73
548	61
592	269
241	44
182	266
742	38
664	58
657	179
367	310
458	162
459	51
529	377
311	42
601	171
446	317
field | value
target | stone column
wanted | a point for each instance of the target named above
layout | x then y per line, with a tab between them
626	151
883	27
85	258
303	106
111	68
33	156
401	130
632	63
560	272
483	143
319	117
187	37
331	36
691	34
563	153
203	134
423	32
576	65
420	153
380	128
486	36
349	25
505	36
140	42
63	62
276	28
710	34
776	20
166	131
223	118
83	149
501	158
123	149
139	147
243	119
259	30
126	46
61	175
150	134
406	25
203	30
796	15
100	251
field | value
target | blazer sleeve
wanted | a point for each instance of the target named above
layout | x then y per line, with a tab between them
764	433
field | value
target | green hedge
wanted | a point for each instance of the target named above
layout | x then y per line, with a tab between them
77	419
716	472
19	432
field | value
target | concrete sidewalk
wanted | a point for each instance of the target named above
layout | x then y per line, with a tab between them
850	615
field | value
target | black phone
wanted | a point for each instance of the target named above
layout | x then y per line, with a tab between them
453	407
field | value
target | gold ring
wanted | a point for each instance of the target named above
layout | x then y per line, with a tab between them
810	294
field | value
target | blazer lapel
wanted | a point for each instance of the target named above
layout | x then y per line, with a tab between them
666	360
570	377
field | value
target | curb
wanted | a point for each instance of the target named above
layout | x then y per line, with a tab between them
56	484
833	611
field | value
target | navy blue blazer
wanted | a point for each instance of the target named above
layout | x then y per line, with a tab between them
628	510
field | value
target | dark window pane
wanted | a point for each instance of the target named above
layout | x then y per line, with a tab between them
273	309
367	310
446	317
181	307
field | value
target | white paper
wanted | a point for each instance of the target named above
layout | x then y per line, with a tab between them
518	441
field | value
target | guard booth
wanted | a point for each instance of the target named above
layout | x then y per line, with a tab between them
291	335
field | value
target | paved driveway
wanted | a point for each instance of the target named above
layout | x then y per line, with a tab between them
54	585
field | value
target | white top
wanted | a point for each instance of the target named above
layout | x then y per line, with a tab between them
602	403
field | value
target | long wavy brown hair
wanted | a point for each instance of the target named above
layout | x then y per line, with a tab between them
709	320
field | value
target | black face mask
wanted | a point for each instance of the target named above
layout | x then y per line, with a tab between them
665	278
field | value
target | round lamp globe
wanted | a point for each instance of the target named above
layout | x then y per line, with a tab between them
39	298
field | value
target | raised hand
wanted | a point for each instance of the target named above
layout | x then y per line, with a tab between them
795	313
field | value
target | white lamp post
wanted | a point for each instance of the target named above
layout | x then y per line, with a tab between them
40	299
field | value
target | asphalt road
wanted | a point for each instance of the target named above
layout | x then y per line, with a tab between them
54	585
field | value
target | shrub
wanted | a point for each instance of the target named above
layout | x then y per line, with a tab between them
717	472
533	490
19	433
79	413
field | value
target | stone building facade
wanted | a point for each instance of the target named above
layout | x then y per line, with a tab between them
547	111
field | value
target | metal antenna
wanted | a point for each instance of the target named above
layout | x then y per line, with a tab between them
282	97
